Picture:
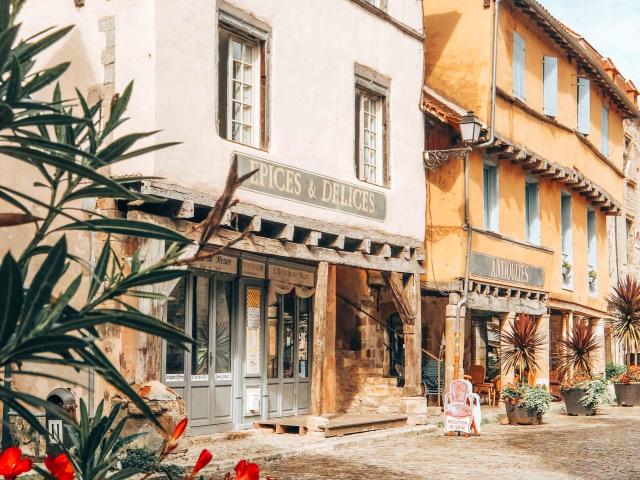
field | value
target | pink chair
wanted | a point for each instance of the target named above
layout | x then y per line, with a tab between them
459	405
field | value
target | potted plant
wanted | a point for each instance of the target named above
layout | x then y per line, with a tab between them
566	268
593	275
627	387
582	392
624	307
524	404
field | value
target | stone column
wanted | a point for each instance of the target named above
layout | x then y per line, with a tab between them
544	327
450	343
599	359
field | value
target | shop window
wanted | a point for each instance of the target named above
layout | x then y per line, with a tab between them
273	340
304	316
242	81
175	356
223	304
490	196
371	116
584	105
200	329
550	85
532	211
288	327
253	336
567	240
592	249
519	67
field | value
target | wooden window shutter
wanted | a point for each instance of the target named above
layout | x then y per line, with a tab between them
550	85
518	66
584	106
223	82
604	131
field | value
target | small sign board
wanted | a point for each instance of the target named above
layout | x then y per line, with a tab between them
251	268
291	275
503	269
219	263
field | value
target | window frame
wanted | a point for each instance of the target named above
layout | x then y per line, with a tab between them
491	196
374	86
519	74
566	238
550	85
592	247
583	96
604	130
241	26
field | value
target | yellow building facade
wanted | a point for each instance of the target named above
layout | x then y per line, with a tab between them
529	232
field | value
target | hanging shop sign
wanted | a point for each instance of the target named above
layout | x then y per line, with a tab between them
219	263
310	188
291	275
251	268
495	268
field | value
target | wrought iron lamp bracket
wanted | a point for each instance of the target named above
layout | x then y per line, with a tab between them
434	159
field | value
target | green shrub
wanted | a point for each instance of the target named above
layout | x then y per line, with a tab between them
613	370
147	461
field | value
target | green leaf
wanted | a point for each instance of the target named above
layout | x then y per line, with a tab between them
152	277
5	14
69	151
25	51
14	85
101	269
44	78
60	305
134	228
39	293
45	119
33	156
116	148
18	401
145	150
117	110
9	199
11	294
92	191
7	37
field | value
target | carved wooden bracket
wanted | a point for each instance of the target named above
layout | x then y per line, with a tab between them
403	295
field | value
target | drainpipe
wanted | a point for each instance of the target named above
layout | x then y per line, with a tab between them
465	296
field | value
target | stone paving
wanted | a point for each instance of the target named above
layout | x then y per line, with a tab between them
563	448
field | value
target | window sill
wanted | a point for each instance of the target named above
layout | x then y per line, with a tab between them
260	149
386	187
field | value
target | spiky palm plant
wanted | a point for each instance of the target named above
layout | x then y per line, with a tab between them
520	344
624	307
576	351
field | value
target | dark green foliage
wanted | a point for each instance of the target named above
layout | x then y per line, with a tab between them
146	461
624	307
613	370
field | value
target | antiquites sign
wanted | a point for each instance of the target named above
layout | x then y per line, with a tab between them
496	268
306	187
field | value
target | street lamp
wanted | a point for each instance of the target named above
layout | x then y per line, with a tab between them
470	128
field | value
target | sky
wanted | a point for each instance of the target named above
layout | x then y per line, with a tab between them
611	26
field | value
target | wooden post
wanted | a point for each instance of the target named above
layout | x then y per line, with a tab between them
544	327
413	343
319	332
329	382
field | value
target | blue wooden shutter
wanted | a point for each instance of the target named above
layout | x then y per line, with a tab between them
604	131
584	103
518	67
550	85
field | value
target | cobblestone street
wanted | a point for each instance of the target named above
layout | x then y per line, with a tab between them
561	449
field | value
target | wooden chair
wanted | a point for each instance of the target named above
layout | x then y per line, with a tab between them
480	386
461	409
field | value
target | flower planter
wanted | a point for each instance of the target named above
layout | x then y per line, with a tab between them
572	403
518	415
627	395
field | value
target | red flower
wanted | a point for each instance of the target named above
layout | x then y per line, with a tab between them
60	467
12	463
173	440
203	460
247	471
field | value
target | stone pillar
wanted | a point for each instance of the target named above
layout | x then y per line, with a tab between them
450	343
600	358
544	327
319	332
329	383
413	343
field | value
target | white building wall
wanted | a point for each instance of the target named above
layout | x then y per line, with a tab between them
170	49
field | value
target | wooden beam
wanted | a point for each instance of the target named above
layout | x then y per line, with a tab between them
382	250
255	225
319	333
312	238
337	243
329	375
186	209
364	246
285	233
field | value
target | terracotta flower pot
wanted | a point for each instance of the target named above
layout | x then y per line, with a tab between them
627	395
518	415
572	403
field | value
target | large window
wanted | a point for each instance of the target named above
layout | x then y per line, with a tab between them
584	106
490	196
519	67
592	249
532	211
550	85
567	240
242	82
175	356
372	117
